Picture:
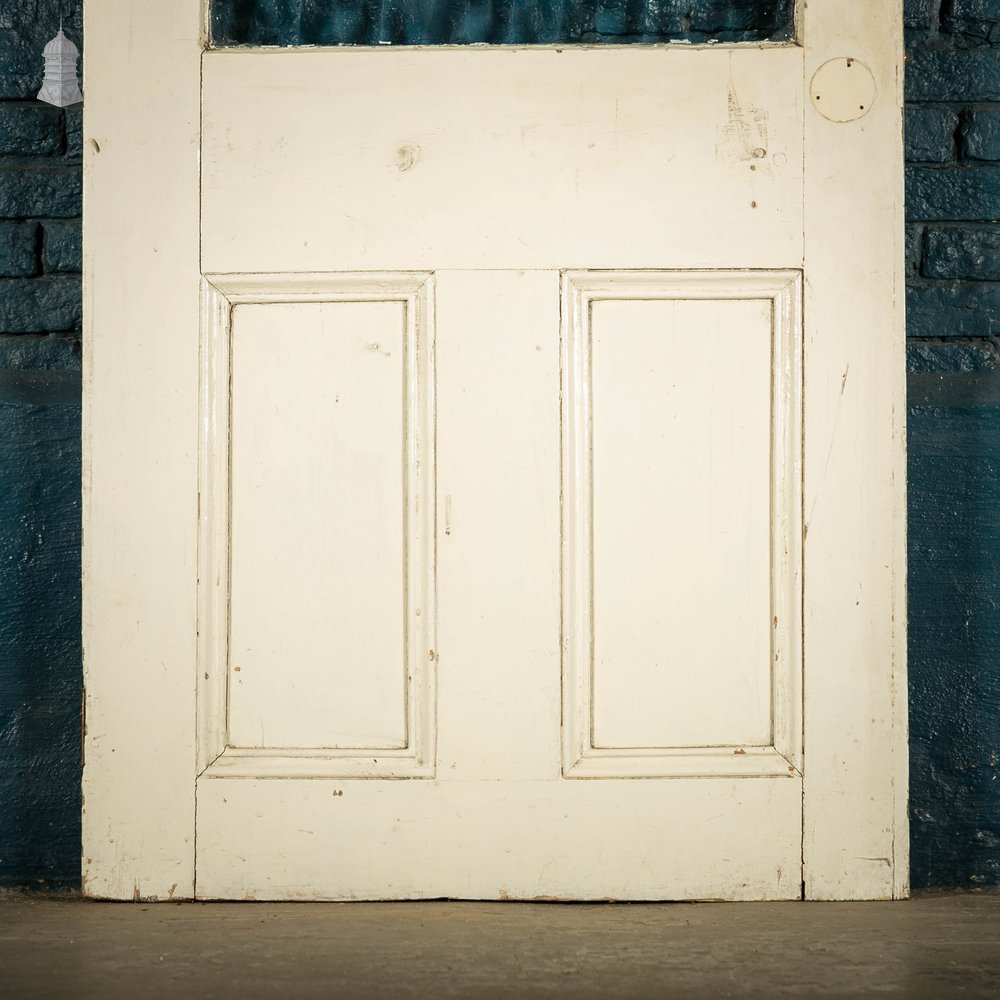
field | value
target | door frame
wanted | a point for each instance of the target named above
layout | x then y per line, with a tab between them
142	428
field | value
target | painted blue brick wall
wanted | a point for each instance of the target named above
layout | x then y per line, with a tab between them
40	675
40	309
954	473
953	326
953	236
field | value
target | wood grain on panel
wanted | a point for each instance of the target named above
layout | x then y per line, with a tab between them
680	520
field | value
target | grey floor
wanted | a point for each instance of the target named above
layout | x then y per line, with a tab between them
935	946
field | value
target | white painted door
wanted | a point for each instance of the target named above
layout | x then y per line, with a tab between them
494	468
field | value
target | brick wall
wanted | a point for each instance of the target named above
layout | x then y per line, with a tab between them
40	182
40	223
953	182
953	326
40	308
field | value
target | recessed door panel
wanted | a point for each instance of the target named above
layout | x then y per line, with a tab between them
681	443
318	567
681	529
318	549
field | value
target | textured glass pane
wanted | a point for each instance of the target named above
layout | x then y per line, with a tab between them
497	22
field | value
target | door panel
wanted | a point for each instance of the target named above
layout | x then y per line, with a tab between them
318	510
499	839
680	481
317	603
681	531
619	633
534	158
506	549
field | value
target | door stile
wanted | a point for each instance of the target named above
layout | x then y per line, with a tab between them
140	415
855	843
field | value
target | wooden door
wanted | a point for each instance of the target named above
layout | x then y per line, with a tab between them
494	467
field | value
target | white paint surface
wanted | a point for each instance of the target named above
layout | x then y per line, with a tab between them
318	599
681	444
269	839
622	512
643	693
856	832
843	90
317	621
523	158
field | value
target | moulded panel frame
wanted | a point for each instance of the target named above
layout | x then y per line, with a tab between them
221	294
784	755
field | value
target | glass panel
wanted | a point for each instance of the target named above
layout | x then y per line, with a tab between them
498	22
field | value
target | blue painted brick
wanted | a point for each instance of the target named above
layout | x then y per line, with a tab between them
981	135
39	191
40	305
939	357
954	634
974	17
30	128
953	309
31	352
739	19
919	14
62	245
74	131
959	194
970	254
966	31
976	10
18	249
930	135
953	75
914	249
40	655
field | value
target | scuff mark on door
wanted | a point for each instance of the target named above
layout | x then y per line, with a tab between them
743	138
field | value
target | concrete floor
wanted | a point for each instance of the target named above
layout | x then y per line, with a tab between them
935	947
